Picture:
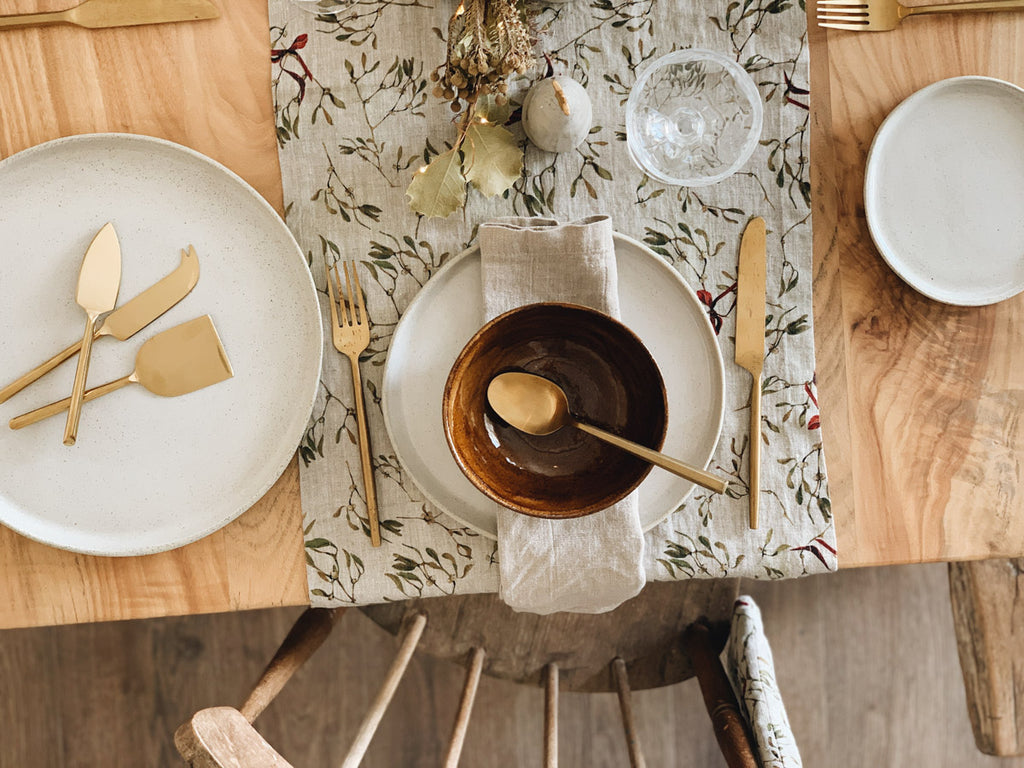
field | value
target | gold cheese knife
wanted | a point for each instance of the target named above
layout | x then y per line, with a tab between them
98	284
100	14
175	362
128	319
750	303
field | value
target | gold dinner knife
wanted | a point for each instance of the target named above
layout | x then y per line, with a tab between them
175	362
128	319
99	14
98	284
750	303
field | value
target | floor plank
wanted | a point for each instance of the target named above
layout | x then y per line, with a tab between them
866	659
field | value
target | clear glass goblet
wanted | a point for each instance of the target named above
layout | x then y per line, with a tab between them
693	118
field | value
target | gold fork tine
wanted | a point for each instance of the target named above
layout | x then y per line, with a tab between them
833	10
841	26
359	295
825	4
342	305
836	17
348	294
331	293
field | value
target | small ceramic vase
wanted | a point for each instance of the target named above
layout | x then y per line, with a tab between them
557	114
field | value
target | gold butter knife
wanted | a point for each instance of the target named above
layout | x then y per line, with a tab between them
127	320
98	283
100	14
750	303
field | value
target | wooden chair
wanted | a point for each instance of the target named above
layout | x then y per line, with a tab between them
987	597
665	635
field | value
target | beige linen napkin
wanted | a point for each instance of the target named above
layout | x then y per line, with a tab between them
589	564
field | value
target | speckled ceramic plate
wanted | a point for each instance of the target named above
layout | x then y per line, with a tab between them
656	304
944	190
148	473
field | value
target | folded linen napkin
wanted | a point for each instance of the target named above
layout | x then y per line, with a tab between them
589	564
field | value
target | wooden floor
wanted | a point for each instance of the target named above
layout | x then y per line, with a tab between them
866	660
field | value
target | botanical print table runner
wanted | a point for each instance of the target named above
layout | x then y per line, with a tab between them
355	120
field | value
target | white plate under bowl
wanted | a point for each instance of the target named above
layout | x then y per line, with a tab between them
148	473
655	303
944	190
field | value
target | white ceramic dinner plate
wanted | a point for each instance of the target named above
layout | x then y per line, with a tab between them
148	473
656	304
944	190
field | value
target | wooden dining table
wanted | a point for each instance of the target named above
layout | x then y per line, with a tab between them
920	401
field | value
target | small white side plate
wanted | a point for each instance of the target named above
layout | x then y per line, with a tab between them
944	190
656	304
148	473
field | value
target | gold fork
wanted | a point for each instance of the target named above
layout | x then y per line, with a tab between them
350	328
883	15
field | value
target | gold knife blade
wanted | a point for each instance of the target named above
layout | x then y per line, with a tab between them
750	313
750	298
100	14
126	320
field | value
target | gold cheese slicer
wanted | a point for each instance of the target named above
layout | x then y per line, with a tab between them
175	362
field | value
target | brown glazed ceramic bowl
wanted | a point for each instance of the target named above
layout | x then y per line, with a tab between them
610	380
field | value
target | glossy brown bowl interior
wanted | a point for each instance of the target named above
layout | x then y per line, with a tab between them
610	380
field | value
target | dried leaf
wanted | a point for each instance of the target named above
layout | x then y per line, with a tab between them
495	158
488	108
439	188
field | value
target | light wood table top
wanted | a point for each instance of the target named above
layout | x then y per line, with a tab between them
919	401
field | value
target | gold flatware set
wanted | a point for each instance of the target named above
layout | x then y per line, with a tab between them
175	362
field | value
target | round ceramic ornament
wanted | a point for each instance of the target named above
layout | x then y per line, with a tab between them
557	114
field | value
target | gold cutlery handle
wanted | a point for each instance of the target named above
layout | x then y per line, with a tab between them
62	405
755	449
364	453
41	370
81	372
975	5
16	21
684	470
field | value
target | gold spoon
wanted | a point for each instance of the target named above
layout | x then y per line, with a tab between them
537	406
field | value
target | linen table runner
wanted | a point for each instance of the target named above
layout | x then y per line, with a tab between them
355	120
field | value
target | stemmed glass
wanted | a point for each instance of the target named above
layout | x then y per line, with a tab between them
693	118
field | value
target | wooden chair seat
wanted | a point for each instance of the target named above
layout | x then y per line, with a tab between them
643	631
664	635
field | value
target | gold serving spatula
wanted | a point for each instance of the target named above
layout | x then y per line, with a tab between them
128	319
175	362
98	283
99	14
750	299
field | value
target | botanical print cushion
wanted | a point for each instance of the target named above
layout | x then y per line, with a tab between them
752	671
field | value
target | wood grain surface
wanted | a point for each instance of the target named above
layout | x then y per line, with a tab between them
919	401
865	660
988	613
205	85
